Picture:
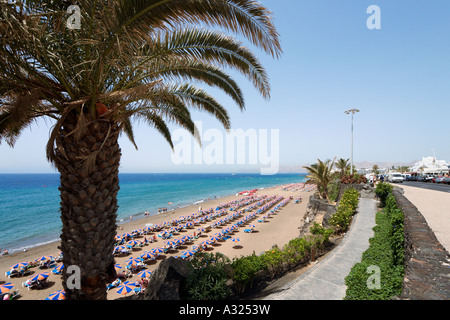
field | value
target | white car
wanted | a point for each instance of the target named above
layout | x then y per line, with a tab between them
395	177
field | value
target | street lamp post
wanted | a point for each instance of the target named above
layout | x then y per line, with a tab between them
352	111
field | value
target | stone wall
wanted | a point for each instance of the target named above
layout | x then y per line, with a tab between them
427	263
315	207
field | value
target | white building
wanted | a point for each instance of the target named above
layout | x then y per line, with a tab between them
429	165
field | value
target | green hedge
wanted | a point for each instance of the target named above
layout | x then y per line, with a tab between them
276	260
382	191
385	254
342	218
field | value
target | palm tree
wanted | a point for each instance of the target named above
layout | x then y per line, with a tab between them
320	174
130	60
375	169
343	165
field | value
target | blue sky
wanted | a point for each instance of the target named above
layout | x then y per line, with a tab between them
397	76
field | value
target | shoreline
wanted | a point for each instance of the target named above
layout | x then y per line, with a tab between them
122	221
279	229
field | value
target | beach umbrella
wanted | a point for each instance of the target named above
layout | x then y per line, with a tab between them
185	238
59	268
133	242
6	287
206	242
57	295
44	258
214	238
188	253
147	255
133	260
40	276
125	288
158	250
117	267
170	243
19	265
145	273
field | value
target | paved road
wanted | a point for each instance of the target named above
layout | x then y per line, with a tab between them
326	280
427	185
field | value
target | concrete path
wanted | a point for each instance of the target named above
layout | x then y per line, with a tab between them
326	279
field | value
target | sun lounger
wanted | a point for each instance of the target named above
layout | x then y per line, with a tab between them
248	230
12	273
30	284
137	290
11	296
113	284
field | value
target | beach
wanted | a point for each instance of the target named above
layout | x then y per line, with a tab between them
277	229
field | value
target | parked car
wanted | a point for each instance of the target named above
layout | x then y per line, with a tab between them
439	179
446	180
395	177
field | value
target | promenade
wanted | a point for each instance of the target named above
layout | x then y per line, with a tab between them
326	279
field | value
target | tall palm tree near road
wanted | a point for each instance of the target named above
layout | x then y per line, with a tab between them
117	62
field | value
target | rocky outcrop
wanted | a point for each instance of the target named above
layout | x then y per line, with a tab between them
167	281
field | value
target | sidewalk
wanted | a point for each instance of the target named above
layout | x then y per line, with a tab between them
326	279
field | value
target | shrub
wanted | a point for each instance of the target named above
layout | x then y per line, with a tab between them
208	279
382	191
346	209
353	178
244	270
397	238
320	234
297	250
273	261
386	251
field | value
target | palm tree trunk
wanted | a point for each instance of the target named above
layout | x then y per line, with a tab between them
88	205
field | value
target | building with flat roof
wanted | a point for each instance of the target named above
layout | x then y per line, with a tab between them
430	165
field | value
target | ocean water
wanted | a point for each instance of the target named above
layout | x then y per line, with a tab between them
29	203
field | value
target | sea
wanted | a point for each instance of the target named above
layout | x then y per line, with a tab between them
29	203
